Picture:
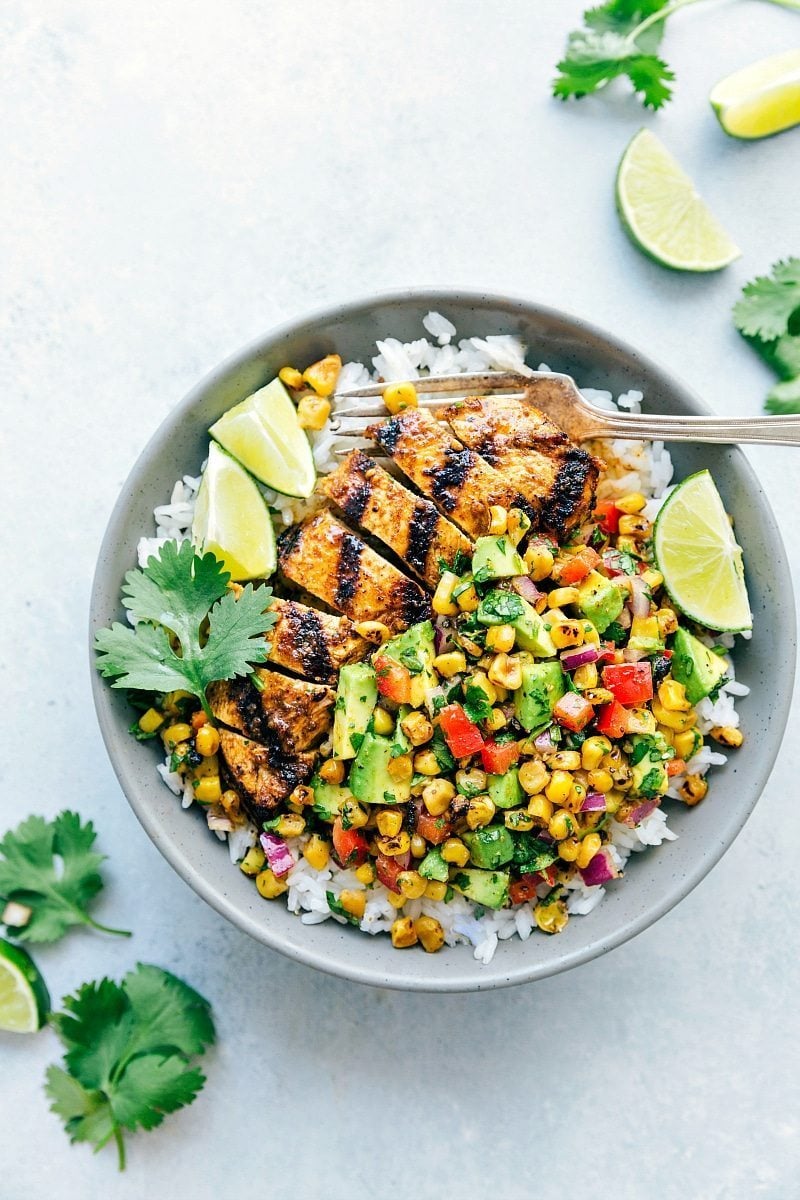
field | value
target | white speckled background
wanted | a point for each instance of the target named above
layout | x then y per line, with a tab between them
177	177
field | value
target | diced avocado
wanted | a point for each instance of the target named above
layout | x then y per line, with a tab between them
599	600
495	558
356	697
489	888
370	780
507	608
648	765
414	650
328	798
543	685
505	790
400	742
490	847
433	866
695	666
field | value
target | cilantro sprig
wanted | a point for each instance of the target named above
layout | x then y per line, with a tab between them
51	868
189	628
128	1052
768	317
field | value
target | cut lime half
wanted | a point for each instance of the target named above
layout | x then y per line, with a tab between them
231	518
24	999
761	99
663	214
699	557
264	434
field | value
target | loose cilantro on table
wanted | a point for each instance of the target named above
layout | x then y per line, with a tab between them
768	317
128	1048
173	601
51	868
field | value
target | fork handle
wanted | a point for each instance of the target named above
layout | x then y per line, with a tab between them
767	431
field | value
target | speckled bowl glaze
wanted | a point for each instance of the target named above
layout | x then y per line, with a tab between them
655	880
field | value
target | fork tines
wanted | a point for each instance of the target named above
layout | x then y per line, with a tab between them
434	391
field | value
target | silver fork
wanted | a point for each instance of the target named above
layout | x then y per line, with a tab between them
558	396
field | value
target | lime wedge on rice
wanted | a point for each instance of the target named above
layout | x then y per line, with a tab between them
231	518
699	557
663	214
24	999
761	99
263	432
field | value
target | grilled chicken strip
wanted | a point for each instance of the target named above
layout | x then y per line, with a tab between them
536	457
461	484
332	563
291	714
311	643
262	775
411	526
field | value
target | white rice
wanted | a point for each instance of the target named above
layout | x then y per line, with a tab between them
633	466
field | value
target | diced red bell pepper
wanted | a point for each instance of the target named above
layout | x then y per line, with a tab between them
349	846
573	571
524	888
630	683
394	680
434	829
497	757
573	711
387	869
463	736
675	766
612	720
607	516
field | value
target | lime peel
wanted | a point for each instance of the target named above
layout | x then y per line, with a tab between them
24	999
264	433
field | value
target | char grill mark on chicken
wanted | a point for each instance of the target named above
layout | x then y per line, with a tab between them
311	643
263	775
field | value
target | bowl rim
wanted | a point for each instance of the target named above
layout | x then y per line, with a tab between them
186	868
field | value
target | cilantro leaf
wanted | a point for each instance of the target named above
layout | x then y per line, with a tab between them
784	397
182	597
476	704
127	1055
51	868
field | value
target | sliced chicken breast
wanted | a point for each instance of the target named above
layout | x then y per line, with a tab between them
311	643
262	775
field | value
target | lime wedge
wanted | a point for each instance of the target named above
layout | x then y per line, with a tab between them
699	557
24	999
663	214
231	518
263	432
761	99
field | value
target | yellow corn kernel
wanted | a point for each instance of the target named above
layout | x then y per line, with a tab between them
353	901
635	526
519	819
419	847
290	825
640	720
540	808
673	696
206	741
454	662
480	812
652	578
613	800
466	597
551	917
302	795
561	825
533	776
401	768
208	790
332	771
679	721
352	814
598	696
687	744
593	750
436	890
174	734
644	627
563	595
564	760
501	638
291	377
206	766
471	780
230	802
727	735
400	396
322	375
585	676
398	843
496	720
498	522
173	701
396	899
269	885
559	787
383	721
518	525
552	615
411	884
539	561
425	763
430	934
567	633
590	635
443	603
588	848
365	873
151	720
454	851
313	412
373	631
436	796
316	852
576	797
389	821
253	861
693	790
403	933
417	728
667	620
631	503
569	849
600	780
506	670
481	680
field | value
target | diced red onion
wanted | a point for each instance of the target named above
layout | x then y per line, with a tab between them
277	852
624	618
403	860
640	812
600	870
587	533
611	562
524	586
443	635
640	596
578	656
594	802
544	741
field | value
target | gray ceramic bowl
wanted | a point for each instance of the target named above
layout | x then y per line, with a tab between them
656	880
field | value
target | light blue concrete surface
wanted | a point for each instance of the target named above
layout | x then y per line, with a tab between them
176	178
